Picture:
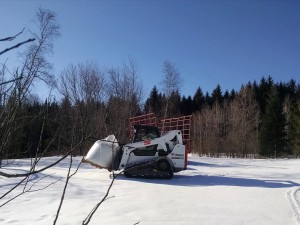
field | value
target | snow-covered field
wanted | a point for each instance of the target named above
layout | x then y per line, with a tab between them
212	191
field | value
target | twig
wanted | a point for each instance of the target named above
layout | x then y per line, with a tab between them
29	189
12	199
12	37
13	188
43	188
89	217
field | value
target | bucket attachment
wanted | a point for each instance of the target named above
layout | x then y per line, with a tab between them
102	154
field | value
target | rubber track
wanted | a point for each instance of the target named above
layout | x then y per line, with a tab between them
148	169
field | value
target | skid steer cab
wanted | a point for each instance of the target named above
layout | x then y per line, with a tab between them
149	155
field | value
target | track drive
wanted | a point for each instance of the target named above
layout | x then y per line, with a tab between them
159	168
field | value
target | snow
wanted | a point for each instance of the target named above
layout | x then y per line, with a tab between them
211	191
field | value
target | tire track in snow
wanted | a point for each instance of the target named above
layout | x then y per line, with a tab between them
292	197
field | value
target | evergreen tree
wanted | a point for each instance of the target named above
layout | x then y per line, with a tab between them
217	95
67	121
262	92
186	105
232	94
154	102
226	96
272	134
208	99
282	91
291	91
198	100
174	105
297	93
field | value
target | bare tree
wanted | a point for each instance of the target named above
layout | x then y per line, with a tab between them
229	129
171	83
34	67
172	80
84	86
243	124
125	93
209	130
83	82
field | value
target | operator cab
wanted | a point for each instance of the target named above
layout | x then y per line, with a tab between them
143	132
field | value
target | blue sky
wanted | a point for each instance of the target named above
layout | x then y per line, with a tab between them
210	42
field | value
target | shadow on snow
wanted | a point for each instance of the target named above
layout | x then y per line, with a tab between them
202	180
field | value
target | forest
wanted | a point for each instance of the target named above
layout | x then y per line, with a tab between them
261	119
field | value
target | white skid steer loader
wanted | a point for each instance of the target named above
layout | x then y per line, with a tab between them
148	156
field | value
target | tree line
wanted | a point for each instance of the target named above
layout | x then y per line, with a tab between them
259	120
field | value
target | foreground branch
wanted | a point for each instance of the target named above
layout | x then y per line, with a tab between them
65	187
13	80
12	37
17	45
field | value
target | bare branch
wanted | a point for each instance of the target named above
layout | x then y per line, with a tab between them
12	37
11	199
13	80
13	188
64	191
17	45
29	189
43	188
89	217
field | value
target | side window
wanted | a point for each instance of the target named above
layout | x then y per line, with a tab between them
146	151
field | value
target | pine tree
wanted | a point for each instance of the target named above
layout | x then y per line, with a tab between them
262	92
174	105
208	99
291	93
154	102
226	96
232	94
217	95
198	100
272	134
186	105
